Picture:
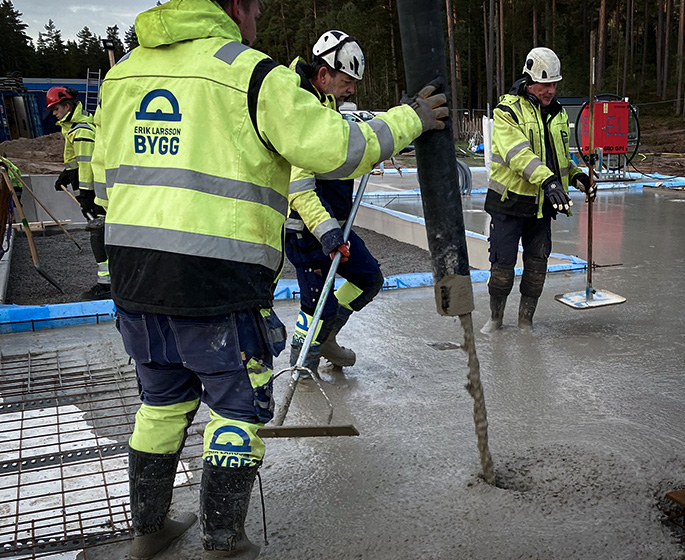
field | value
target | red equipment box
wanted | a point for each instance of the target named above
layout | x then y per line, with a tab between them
611	127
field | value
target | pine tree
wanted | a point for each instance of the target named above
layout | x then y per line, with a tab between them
131	38
17	52
51	50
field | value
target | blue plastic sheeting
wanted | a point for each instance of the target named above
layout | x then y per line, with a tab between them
22	318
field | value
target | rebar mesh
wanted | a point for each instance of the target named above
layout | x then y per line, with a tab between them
65	419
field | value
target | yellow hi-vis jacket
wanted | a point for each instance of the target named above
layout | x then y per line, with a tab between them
79	137
196	135
307	210
520	164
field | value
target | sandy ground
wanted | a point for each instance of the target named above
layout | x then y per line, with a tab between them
75	271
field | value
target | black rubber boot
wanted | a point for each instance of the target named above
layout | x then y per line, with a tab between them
224	500
497	305
526	312
151	480
311	361
330	349
532	282
500	284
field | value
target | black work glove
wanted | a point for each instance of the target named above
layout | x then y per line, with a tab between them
556	194
430	108
582	182
87	201
66	178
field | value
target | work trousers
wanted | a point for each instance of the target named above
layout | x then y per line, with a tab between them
312	265
535	235
224	361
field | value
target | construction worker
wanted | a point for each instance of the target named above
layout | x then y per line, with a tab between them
7	203
530	174
195	213
319	209
14	174
79	142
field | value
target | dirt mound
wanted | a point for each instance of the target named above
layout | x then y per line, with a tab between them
44	154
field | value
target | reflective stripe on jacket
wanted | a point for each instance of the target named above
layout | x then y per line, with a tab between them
79	143
317	206
520	165
196	136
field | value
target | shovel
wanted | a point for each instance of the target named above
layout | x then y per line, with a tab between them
27	229
295	370
590	297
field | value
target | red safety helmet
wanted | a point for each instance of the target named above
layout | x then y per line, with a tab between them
59	93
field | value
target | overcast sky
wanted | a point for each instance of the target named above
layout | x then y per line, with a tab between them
70	16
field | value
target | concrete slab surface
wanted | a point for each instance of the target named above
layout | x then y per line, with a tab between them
586	418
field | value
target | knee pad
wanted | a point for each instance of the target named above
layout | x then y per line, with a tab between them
232	443
533	278
163	429
501	280
302	326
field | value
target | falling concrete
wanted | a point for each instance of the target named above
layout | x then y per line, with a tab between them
585	413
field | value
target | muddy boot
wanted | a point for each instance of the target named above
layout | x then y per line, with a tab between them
330	349
311	361
526	312
336	354
224	500
151	479
497	305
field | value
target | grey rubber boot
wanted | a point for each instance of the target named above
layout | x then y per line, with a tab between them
224	500
497	305
336	354
311	361
330	349
151	480
526	312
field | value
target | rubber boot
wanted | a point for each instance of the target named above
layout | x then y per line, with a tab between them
526	312
497	305
224	500
311	361
151	480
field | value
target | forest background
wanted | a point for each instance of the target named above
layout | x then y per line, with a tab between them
640	46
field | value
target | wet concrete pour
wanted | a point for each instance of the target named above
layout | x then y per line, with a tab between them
585	413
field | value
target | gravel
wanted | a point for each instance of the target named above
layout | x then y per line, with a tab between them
75	271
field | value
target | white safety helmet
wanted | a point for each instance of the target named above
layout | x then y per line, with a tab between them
341	52
543	66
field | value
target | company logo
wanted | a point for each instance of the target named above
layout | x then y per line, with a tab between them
229	447
144	115
160	140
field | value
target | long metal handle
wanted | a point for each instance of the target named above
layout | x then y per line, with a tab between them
330	278
591	153
306	345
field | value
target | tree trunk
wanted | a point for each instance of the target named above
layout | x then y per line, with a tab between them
667	44
491	54
554	25
681	31
602	33
659	45
626	52
501	48
644	45
535	26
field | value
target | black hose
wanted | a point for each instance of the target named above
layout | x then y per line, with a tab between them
424	61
